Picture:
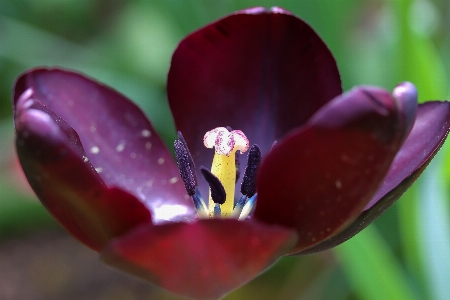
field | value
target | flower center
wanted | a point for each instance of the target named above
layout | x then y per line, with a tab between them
223	174
225	143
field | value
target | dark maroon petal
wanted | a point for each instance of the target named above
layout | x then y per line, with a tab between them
203	260
427	136
66	182
118	139
261	71
319	178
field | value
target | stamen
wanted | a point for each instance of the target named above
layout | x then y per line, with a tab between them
217	211
190	160
248	186
238	207
188	175
248	207
184	161
200	206
218	193
223	175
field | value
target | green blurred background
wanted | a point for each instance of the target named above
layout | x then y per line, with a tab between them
128	45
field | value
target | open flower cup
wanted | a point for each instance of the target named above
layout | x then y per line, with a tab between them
332	162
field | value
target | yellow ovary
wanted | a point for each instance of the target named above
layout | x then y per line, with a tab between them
224	167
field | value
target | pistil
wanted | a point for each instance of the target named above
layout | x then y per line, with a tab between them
226	144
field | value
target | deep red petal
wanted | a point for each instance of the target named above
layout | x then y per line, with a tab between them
261	71
202	260
319	178
427	136
65	181
117	138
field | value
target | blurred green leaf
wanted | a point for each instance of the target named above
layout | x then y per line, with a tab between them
410	240
330	284
419	62
19	213
31	46
144	39
372	269
434	230
417	56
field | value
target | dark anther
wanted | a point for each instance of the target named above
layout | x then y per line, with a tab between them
185	165
248	186
191	161
218	193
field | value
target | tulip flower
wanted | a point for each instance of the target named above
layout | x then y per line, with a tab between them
322	164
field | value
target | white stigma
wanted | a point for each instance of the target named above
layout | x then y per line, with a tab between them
225	142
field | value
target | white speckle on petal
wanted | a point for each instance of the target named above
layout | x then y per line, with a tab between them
95	150
148	145
146	133
160	161
99	170
92	129
173	180
121	146
85	159
345	158
338	184
133	155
